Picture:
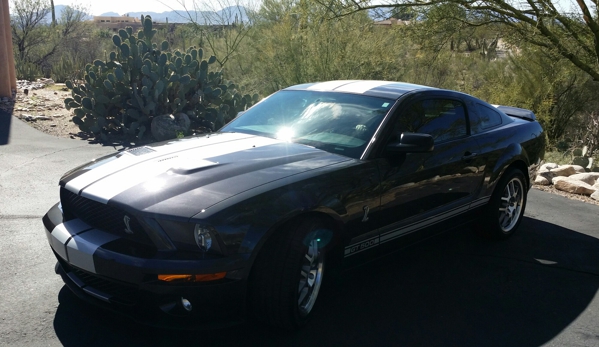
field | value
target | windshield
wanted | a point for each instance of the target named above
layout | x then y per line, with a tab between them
335	122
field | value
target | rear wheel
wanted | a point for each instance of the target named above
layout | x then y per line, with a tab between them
288	274
505	209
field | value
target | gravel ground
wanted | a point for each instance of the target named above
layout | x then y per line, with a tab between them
44	110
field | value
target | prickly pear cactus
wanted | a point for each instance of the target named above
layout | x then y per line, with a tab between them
141	80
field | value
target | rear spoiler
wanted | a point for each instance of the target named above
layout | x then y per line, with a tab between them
517	112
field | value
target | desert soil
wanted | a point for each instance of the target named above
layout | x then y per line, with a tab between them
44	110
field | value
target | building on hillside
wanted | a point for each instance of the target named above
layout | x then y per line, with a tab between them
121	22
392	21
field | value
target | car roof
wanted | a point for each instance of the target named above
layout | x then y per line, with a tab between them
384	89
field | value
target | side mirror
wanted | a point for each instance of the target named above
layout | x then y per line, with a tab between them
412	143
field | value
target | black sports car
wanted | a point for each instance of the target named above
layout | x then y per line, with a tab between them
250	219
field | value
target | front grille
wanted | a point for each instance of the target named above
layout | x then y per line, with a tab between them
103	217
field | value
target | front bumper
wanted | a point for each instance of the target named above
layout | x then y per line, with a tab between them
128	283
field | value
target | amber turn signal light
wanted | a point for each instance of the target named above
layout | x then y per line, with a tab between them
192	278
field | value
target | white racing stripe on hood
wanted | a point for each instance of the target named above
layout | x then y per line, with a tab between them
126	160
112	185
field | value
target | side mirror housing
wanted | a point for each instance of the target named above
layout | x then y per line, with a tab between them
412	143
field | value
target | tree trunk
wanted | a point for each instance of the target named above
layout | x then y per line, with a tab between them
53	13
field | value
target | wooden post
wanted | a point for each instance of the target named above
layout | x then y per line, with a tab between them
8	79
11	55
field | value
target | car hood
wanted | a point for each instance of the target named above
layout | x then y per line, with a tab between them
183	177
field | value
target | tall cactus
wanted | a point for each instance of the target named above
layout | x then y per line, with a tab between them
141	80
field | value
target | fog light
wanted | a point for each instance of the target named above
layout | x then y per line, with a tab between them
203	237
186	304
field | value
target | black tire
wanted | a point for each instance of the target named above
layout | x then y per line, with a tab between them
285	282
505	209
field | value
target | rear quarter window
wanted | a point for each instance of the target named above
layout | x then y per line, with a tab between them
488	117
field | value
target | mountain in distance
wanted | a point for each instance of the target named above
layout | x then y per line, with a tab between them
227	15
110	14
58	9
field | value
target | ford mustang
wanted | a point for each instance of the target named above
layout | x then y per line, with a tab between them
248	221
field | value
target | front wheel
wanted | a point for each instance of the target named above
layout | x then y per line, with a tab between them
288	274
505	209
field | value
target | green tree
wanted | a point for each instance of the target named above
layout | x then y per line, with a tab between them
35	40
573	35
295	43
219	25
555	90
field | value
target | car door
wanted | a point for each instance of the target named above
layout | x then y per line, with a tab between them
421	189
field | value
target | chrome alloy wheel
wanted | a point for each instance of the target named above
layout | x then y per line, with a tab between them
310	277
511	204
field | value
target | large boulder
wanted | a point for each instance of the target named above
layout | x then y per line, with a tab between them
579	169
595	195
168	126
588	178
570	185
566	170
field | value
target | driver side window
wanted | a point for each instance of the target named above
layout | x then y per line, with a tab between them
443	119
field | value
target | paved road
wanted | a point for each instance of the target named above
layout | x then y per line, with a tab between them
538	288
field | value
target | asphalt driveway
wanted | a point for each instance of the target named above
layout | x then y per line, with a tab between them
538	288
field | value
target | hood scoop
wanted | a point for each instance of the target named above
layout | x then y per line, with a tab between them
189	166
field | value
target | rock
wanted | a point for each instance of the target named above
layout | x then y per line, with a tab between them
53	125
548	175
570	185
579	168
168	127
596	185
549	166
31	118
540	180
565	170
588	178
595	195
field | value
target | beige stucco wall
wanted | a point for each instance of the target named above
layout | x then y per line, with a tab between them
8	79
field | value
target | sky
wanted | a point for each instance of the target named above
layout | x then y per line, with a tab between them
121	7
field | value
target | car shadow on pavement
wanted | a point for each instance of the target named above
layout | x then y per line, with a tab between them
452	290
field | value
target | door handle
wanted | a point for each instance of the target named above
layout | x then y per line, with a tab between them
468	156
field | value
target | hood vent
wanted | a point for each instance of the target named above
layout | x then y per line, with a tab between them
140	150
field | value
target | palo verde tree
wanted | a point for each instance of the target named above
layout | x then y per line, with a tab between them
570	33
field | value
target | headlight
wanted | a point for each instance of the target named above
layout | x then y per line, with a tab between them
194	237
203	237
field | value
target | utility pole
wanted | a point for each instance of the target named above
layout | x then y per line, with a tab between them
8	75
